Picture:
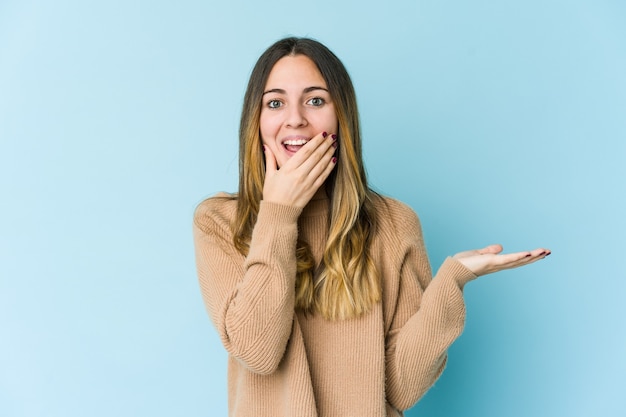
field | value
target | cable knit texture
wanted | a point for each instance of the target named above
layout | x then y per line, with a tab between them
284	363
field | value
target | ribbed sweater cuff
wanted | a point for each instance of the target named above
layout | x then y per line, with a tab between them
274	212
453	269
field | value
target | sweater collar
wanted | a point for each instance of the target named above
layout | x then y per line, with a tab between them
317	207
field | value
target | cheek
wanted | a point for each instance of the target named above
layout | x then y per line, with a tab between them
330	121
267	125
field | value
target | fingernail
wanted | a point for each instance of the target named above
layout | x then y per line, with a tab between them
548	254
334	160
334	145
333	136
324	134
264	148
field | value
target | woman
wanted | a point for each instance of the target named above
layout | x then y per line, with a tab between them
321	289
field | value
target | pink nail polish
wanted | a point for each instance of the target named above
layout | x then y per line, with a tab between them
334	160
334	145
324	134
333	136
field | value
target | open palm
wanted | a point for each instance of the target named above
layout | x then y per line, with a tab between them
490	259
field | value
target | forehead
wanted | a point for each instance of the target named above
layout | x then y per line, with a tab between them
295	71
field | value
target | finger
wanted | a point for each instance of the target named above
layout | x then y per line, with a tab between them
541	252
487	250
313	151
515	260
328	164
495	249
321	157
270	161
535	255
538	254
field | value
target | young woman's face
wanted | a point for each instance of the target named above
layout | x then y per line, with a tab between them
296	107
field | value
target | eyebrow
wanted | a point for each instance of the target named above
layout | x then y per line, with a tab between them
306	90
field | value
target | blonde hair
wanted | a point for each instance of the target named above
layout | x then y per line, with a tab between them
349	284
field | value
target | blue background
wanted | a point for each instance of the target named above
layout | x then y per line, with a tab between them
496	121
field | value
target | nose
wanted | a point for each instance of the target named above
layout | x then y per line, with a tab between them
295	117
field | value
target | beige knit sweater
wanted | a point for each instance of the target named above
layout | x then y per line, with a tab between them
285	364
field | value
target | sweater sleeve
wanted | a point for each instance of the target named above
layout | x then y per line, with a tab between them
249	299
429	316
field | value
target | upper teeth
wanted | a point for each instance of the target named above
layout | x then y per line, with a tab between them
295	142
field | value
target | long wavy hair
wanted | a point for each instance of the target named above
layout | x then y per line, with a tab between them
348	284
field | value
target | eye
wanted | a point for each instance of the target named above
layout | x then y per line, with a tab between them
274	104
316	101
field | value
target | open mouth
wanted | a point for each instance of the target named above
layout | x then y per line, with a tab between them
294	145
